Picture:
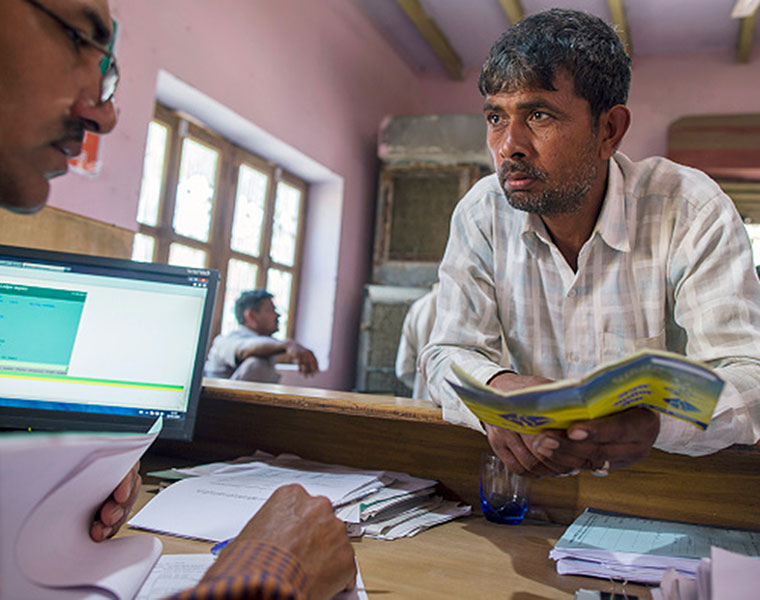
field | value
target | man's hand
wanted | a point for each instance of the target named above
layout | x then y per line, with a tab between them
305	526
115	510
516	451
614	441
303	357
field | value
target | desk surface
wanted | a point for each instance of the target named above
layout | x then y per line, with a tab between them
467	558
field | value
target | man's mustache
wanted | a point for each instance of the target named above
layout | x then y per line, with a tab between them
508	167
73	131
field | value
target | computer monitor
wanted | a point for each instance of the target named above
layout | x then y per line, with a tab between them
100	344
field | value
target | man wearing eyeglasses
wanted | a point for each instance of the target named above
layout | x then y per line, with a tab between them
58	75
52	92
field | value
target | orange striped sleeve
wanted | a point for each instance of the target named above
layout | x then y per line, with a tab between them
256	571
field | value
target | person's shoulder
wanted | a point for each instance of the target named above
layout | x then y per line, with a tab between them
486	192
661	179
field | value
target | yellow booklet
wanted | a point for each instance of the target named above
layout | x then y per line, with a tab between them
662	381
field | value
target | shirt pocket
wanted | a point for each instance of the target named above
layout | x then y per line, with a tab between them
615	346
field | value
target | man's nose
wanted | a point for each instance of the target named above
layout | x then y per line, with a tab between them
98	117
514	142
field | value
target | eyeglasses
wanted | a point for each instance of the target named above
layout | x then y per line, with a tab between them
108	70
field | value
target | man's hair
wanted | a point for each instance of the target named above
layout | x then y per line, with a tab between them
531	52
252	300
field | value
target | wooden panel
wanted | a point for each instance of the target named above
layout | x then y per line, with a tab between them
513	9
56	229
433	35
721	145
619	20
746	36
398	434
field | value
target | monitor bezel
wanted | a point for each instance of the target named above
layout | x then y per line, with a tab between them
46	419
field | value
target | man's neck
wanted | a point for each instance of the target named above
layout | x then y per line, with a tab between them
570	231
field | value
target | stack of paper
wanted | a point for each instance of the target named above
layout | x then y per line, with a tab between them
724	576
214	502
608	545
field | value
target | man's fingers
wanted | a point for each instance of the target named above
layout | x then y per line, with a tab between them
515	452
613	441
127	486
627	426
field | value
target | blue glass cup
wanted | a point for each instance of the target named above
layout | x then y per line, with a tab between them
503	495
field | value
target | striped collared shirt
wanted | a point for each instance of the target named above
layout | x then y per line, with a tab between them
668	266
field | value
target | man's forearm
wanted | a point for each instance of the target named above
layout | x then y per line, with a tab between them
262	350
509	381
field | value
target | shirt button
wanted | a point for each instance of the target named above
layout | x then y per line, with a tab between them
572	293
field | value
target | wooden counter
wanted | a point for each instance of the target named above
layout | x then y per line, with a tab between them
382	432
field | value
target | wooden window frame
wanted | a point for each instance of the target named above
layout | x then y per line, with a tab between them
217	248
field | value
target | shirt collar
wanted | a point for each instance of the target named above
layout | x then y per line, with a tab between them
612	224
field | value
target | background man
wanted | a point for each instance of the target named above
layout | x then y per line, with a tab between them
250	352
573	255
415	333
57	77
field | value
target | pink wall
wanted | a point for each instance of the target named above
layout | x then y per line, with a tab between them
319	77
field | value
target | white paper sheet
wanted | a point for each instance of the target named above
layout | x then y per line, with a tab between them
176	572
734	576
52	484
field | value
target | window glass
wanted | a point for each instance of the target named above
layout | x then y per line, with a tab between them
153	174
250	201
241	276
753	229
278	284
186	256
195	190
285	226
142	247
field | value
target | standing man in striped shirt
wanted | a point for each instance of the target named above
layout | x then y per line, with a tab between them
572	255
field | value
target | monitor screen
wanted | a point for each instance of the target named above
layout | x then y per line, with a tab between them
101	344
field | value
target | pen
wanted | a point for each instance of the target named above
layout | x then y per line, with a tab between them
217	548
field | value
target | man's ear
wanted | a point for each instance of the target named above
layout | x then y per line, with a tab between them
249	317
612	127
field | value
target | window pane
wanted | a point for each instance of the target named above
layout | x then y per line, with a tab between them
278	284
153	174
186	256
249	210
195	190
753	229
285	226
142	247
241	276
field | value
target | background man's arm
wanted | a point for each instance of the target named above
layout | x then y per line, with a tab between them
286	351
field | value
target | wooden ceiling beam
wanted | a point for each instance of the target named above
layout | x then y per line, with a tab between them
619	20
513	9
746	36
433	36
